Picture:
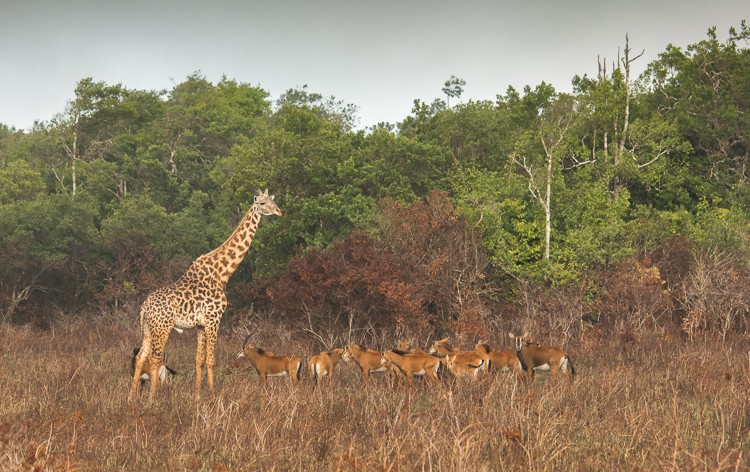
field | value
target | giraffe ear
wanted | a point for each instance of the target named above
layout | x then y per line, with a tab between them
255	199
273	196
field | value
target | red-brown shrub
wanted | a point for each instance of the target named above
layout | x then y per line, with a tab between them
421	273
715	295
633	296
352	285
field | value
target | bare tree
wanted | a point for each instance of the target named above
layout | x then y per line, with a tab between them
453	87
553	130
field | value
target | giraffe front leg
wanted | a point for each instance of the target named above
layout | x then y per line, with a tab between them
211	335
200	359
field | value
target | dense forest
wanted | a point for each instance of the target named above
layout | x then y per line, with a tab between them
621	206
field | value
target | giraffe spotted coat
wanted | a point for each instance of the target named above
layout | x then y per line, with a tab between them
197	300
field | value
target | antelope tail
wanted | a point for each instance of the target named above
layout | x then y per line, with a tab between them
299	370
477	366
572	369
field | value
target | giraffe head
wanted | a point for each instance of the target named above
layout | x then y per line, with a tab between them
265	204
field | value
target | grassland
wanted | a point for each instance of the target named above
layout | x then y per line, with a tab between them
645	402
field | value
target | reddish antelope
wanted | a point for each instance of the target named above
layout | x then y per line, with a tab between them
414	364
368	360
163	371
322	365
501	361
535	357
406	346
268	365
461	363
465	365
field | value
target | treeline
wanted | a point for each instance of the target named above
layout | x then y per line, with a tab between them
622	205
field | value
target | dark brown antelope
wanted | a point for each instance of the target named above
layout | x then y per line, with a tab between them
163	371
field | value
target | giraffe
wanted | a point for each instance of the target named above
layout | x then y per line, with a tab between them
197	300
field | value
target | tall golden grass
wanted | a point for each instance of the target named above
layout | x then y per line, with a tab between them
647	402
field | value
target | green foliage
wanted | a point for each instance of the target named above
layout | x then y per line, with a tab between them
498	206
19	181
48	248
384	164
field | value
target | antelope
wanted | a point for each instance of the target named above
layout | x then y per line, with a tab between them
461	363
534	356
322	365
503	361
405	346
164	372
368	360
269	365
414	364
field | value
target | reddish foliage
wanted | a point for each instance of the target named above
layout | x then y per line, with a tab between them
673	257
633	296
424	271
442	246
353	278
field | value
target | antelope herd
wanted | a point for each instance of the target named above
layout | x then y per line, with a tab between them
406	362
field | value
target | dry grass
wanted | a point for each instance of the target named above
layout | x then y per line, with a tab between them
646	404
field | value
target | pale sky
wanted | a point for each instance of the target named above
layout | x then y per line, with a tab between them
378	55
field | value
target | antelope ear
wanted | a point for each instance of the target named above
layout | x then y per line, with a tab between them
444	340
511	335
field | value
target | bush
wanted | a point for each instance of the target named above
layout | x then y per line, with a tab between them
421	273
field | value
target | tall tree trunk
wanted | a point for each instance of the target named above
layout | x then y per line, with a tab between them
625	61
548	209
72	152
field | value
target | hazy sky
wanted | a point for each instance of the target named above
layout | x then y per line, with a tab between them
379	55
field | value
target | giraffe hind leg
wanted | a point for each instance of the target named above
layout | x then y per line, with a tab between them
157	351
143	353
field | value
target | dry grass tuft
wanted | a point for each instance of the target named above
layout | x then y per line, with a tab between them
647	403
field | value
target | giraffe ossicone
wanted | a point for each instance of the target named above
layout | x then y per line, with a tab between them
197	300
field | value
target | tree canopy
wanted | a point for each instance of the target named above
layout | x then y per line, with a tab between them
120	191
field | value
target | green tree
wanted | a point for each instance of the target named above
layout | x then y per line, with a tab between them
705	89
18	181
48	250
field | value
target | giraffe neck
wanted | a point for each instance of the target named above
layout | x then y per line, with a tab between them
225	259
